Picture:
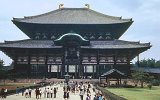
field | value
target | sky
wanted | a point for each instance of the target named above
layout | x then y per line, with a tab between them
145	13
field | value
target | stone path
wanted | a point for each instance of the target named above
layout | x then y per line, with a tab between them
59	95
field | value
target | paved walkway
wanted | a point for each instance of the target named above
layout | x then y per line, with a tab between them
59	95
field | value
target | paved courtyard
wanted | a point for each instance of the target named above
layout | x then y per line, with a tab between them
58	97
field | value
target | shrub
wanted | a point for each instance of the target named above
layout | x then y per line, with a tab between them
156	82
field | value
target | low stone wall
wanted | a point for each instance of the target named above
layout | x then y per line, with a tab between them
108	94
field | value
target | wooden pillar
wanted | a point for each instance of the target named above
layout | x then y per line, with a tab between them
115	59
46	66
138	60
15	65
57	71
98	69
93	71
120	81
29	66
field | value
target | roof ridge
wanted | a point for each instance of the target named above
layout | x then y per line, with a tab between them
53	11
118	18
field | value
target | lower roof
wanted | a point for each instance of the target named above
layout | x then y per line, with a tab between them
110	44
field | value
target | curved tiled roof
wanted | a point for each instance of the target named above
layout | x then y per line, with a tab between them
110	44
113	71
72	16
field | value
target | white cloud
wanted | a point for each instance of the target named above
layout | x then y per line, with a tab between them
144	13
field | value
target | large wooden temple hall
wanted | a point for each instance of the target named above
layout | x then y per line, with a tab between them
77	41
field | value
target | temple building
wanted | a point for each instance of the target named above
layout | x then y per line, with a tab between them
77	41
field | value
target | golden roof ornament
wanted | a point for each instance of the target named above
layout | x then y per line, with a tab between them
61	6
87	5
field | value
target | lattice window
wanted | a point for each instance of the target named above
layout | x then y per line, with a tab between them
53	37
89	68
110	59
65	68
85	59
58	59
93	59
37	36
44	36
92	37
108	37
54	68
102	59
100	37
33	59
72	68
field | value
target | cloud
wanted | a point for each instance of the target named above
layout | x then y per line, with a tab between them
144	13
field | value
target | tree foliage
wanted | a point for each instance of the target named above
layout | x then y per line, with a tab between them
3	73
142	77
1	64
148	63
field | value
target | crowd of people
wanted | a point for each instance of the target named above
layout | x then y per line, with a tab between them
47	92
82	89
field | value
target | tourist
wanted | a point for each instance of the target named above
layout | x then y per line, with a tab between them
40	93
65	95
23	89
100	96
26	93
30	91
2	93
51	92
48	91
104	98
55	91
95	97
37	93
17	90
88	97
81	94
45	92
5	93
88	91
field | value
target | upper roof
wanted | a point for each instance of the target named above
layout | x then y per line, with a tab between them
72	16
110	44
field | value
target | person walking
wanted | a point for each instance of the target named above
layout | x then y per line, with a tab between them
81	94
40	93
88	97
30	91
48	91
67	95
37	93
55	91
17	91
2	93
45	92
5	93
23	89
51	92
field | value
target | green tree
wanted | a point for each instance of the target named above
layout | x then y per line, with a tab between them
140	77
3	73
148	63
1	64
